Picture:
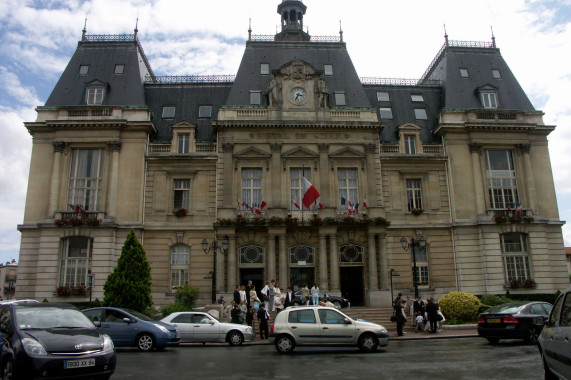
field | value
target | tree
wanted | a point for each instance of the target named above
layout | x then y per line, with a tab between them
129	286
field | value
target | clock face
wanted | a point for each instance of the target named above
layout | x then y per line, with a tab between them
298	95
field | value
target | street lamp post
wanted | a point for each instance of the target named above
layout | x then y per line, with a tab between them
393	273
214	247
421	243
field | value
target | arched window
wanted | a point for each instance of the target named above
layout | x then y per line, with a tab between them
302	255
251	254
75	261
179	265
350	253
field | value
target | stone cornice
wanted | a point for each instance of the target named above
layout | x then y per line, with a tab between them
230	124
52	125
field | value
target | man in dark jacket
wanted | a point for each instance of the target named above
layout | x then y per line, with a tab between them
289	298
237	295
432	314
263	319
418	307
235	313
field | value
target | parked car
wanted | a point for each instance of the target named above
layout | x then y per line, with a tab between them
324	326
6	360
555	340
339	302
203	328
515	320
54	340
133	329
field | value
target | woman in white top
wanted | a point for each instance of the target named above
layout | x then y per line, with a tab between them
315	294
278	299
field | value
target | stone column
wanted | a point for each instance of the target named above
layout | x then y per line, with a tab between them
228	172
58	146
383	262
276	175
221	268
232	269
271	275
372	253
323	279
334	265
284	269
324	174
478	184
529	180
114	178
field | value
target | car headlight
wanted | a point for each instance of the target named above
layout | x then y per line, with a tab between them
162	328
33	347
248	329
383	329
107	344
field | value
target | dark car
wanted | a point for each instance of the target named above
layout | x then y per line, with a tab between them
554	344
6	361
133	329
516	320
338	302
55	340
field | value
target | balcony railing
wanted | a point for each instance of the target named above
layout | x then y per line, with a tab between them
166	148
428	149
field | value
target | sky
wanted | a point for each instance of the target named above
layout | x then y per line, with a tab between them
389	39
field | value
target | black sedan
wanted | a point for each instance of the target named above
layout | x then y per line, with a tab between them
516	320
338	302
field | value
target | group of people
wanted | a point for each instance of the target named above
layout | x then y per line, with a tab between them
424	315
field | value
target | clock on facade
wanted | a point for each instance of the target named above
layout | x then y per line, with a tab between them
298	95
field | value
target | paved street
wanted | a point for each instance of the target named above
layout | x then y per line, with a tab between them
460	358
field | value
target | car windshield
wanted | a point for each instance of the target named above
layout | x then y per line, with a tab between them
139	315
50	318
509	308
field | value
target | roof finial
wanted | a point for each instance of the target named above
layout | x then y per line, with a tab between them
136	28
340	31
445	36
493	37
84	31
250	29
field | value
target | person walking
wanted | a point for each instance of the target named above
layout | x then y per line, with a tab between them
400	316
432	314
315	294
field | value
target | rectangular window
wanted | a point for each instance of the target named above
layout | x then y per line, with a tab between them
516	258
302	316
183	143
489	99
410	144
386	113
496	74
205	111
464	73
94	95
348	187
83	69
181	194
86	179
422	274
296	187
328	69
413	194
340	98
179	265
168	112
264	68
383	96
75	261
420	114
417	98
501	175
119	69
255	97
251	186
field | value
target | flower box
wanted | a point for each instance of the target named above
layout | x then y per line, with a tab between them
225	222
180	212
291	221
380	221
258	221
317	221
275	221
416	211
528	283
330	221
66	291
241	221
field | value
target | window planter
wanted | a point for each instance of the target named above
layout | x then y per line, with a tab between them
416	211
290	221
275	221
317	221
528	283
380	221
66	291
180	212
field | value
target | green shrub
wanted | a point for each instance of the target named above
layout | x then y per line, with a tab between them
460	305
186	295
493	300
173	308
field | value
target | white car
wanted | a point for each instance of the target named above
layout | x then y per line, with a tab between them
198	327
324	326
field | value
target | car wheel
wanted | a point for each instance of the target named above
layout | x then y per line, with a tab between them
368	343
285	344
235	338
145	342
493	340
7	370
548	374
532	335
337	305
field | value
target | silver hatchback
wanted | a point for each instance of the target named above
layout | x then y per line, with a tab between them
324	326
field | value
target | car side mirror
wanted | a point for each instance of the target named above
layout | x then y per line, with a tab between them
211	322
127	320
347	321
97	323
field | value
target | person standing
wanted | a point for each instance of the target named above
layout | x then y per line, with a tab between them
254	298
400	316
304	292
432	314
271	296
289	298
237	295
409	310
315	294
243	297
248	288
396	302
263	317
250	316
418	306
235	313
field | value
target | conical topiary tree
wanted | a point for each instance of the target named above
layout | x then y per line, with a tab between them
129	286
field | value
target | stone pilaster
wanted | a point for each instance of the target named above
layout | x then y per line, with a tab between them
334	264
55	183
114	178
323	279
475	149
372	254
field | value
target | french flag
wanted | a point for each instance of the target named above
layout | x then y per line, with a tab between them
310	193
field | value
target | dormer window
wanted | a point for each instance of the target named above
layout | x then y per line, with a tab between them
264	68
255	97
94	95
339	98
489	99
328	69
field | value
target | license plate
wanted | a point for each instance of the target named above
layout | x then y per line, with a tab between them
79	363
494	320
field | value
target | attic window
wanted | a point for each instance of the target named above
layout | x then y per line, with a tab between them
417	98
168	112
255	97
496	74
383	96
420	114
205	111
119	69
264	68
83	69
339	98
328	69
489	99
386	112
464	73
94	95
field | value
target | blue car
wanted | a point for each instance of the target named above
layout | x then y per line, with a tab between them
128	328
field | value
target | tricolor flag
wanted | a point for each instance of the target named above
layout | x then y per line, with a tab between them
365	203
310	193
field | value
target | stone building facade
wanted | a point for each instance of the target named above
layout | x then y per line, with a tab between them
458	157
